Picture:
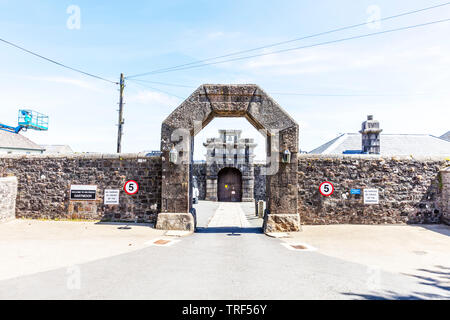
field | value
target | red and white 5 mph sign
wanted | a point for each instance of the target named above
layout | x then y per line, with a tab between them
326	188
131	187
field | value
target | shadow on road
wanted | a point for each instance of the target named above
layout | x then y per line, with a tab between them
231	230
439	228
439	279
125	225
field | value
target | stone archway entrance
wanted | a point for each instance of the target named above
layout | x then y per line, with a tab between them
229	185
206	103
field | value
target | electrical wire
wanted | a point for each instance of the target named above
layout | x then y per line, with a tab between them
344	94
303	94
287	41
56	62
308	46
156	89
163	83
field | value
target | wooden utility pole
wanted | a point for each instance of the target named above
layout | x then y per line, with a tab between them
121	122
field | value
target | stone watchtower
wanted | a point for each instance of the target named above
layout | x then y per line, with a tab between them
229	150
370	133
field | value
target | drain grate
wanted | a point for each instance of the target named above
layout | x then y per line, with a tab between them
299	247
161	242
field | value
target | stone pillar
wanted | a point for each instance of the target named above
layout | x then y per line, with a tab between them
8	194
282	195
211	189
248	188
175	204
248	182
445	183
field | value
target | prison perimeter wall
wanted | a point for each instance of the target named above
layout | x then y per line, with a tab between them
409	190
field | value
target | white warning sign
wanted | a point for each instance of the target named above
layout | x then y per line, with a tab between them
111	196
371	196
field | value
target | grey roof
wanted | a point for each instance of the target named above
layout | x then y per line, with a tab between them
56	148
11	140
391	144
446	136
325	146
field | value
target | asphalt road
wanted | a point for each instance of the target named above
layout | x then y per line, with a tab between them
220	262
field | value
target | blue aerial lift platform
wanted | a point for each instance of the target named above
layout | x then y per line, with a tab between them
28	119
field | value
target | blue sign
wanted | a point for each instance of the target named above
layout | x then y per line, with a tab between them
355	191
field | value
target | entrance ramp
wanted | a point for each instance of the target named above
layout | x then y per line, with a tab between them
229	214
228	217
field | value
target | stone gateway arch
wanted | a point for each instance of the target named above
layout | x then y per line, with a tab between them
202	106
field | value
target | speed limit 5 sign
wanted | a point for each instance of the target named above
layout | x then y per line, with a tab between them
131	187
326	188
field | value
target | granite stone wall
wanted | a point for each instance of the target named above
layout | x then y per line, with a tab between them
410	190
44	186
260	183
8	194
259	193
445	185
199	171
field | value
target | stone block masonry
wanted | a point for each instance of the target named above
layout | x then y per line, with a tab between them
44	186
444	183
8	194
259	193
410	190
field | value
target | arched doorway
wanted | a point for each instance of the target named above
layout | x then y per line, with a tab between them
224	100
229	186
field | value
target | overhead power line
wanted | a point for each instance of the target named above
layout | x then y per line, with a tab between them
56	62
306	94
303	94
344	94
163	83
282	93
156	89
201	62
308	46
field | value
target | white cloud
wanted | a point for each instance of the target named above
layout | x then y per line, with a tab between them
222	34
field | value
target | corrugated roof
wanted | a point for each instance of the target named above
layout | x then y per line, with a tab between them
390	144
17	141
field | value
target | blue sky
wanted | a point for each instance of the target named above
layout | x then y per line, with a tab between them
410	70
